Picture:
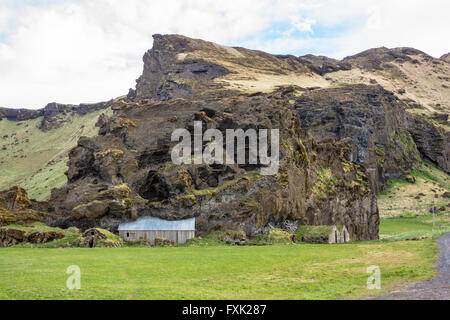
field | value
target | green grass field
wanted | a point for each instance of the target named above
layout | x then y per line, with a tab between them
301	271
271	272
208	270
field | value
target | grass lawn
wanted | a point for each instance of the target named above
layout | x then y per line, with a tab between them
221	272
414	227
227	272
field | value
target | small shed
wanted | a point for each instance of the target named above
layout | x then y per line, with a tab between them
150	228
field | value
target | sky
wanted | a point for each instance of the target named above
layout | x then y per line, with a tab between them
86	51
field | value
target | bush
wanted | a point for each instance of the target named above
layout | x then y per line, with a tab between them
275	236
218	238
137	243
159	242
313	234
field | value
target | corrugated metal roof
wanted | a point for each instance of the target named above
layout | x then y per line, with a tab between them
156	224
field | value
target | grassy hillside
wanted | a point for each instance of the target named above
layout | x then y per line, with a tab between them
405	206
36	160
402	198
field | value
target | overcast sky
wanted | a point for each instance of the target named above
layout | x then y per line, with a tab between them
73	51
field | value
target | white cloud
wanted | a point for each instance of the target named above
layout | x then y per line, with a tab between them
91	50
5	15
302	25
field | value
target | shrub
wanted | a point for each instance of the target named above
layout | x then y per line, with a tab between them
313	234
275	236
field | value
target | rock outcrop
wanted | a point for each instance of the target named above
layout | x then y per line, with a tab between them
53	114
127	171
371	119
345	128
432	140
446	57
19	114
322	65
422	84
168	74
16	208
373	59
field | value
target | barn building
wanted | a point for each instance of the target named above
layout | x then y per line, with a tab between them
150	229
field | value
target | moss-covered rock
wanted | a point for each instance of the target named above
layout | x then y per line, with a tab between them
97	237
17	208
37	234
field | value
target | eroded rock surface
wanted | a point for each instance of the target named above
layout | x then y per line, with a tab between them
127	171
371	119
323	65
16	208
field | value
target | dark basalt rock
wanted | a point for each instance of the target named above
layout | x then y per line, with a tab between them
53	114
373	59
374	122
432	141
19	114
167	75
11	237
446	57
17	208
225	196
323	65
127	172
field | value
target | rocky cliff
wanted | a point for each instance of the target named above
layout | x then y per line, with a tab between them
127	171
422	85
371	119
446	57
53	113
16	208
345	128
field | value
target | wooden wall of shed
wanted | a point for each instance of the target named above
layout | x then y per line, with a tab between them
179	237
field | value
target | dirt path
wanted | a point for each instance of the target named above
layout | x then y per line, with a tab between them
437	288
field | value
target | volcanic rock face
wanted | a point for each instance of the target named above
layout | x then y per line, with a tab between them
19	114
322	65
373	59
446	57
432	141
16	208
372	119
422	84
127	170
345	127
168	75
52	113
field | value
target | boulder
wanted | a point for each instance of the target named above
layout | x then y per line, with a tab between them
11	237
43	237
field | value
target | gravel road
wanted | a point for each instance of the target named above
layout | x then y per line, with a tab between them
437	288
